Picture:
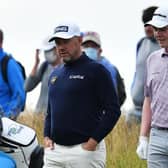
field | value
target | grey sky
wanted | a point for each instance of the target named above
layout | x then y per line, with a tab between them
26	22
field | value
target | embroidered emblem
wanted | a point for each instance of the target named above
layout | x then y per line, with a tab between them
76	77
61	29
53	79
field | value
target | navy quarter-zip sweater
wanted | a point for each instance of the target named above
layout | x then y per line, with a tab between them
82	103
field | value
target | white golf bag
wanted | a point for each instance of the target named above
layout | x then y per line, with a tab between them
20	142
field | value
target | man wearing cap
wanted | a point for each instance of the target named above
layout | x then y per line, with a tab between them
144	48
41	73
155	107
91	45
82	108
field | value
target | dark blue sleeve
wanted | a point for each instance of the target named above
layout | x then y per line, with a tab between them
109	101
47	123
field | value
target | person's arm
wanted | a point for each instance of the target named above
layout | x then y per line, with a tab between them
142	149
110	107
37	61
16	85
118	81
120	88
48	143
35	76
146	118
138	45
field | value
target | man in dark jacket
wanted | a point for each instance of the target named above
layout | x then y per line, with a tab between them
82	111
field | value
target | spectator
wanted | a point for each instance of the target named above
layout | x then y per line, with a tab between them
12	94
91	44
41	74
144	48
155	107
82	111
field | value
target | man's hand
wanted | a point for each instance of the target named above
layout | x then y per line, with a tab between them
142	149
90	145
37	59
48	143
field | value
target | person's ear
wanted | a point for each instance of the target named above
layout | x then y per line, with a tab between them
100	51
80	40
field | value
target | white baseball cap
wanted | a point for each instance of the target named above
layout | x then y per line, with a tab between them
160	18
65	30
46	45
91	36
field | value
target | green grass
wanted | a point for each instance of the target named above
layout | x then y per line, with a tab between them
121	143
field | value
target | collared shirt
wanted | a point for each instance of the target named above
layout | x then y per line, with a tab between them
157	87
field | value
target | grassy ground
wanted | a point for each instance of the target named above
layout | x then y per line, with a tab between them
121	146
121	142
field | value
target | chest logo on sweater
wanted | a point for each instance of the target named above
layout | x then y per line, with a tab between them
53	79
76	77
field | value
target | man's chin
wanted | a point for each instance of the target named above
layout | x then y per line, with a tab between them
67	59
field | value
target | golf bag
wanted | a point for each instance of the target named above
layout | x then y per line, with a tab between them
20	143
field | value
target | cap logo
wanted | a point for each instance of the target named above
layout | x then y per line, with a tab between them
157	14
61	29
90	33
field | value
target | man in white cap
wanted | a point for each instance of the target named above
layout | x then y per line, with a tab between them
155	107
41	73
82	109
145	46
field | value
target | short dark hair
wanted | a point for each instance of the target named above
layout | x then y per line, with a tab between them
147	14
1	36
